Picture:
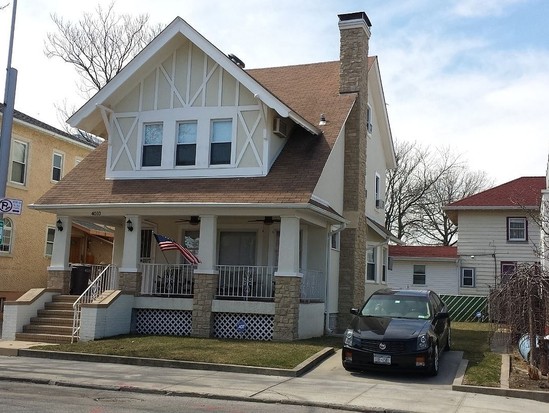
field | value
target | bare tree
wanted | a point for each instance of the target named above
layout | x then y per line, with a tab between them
423	182
456	183
99	45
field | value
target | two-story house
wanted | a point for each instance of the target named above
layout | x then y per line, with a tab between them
498	229
261	173
40	156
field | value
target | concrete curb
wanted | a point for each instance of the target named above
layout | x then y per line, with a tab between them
540	396
297	371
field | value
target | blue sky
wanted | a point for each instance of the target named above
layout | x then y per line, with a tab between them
471	75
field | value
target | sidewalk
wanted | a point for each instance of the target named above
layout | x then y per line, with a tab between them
316	388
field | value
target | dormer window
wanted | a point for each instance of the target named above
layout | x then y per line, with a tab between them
186	143
152	144
220	141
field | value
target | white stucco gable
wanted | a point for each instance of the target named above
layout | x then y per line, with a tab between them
89	119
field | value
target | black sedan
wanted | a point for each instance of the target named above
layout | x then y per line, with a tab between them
404	329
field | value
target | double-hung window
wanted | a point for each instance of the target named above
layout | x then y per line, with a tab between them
186	143
220	141
419	275
19	157
508	268
371	264
50	235
467	277
152	144
517	229
57	167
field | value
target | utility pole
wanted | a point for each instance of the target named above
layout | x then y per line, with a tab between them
7	119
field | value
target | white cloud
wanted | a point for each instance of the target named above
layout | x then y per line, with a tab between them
476	8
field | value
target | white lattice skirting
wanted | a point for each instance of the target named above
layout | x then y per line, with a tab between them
244	326
163	322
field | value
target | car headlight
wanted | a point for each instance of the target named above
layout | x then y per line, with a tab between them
423	341
348	337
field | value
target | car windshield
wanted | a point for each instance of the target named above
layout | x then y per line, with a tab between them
397	307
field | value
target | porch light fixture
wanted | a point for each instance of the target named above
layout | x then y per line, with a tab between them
59	225
129	225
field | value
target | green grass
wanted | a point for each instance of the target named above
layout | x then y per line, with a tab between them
285	355
474	340
471	338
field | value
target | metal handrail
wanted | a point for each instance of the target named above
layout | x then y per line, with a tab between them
106	280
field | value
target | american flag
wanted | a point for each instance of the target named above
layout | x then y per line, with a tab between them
167	244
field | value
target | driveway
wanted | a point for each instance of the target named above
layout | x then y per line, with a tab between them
331	368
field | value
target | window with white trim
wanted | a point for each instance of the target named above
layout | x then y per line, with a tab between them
185	154
19	159
508	268
384	265
371	264
7	237
517	229
335	241
57	167
467	277
419	276
221	135
50	235
152	144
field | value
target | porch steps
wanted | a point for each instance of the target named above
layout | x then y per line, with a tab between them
53	324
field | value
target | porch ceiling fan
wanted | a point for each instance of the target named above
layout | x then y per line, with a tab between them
266	220
194	220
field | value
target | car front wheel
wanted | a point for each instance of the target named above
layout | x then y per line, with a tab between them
433	365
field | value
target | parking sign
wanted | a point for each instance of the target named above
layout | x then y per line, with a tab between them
11	206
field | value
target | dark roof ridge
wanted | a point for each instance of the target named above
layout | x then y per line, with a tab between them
23	117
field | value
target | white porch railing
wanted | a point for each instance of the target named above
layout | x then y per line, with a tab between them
246	282
107	279
167	280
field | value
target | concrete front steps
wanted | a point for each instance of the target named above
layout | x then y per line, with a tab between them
53	324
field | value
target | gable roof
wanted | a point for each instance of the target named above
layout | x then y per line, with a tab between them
88	117
424	251
524	192
33	122
310	89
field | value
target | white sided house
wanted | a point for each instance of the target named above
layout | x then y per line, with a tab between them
424	267
261	173
498	230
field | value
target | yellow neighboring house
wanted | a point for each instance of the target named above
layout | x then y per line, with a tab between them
40	156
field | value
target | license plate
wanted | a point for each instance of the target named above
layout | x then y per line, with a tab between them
382	359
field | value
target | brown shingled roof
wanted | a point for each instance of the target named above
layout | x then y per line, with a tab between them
308	89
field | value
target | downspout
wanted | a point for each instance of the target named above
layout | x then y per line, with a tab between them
341	227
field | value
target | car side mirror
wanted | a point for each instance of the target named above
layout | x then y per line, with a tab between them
354	311
442	316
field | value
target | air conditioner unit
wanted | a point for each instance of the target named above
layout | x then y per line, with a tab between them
282	127
380	203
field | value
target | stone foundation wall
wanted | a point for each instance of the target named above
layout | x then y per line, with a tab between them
130	282
59	280
286	320
205	287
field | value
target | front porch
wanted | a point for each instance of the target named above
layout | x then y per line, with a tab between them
262	279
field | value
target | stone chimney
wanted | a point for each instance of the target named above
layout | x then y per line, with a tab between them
353	74
354	30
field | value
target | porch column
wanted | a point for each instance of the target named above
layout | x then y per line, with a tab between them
118	245
59	271
205	278
129	272
287	281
